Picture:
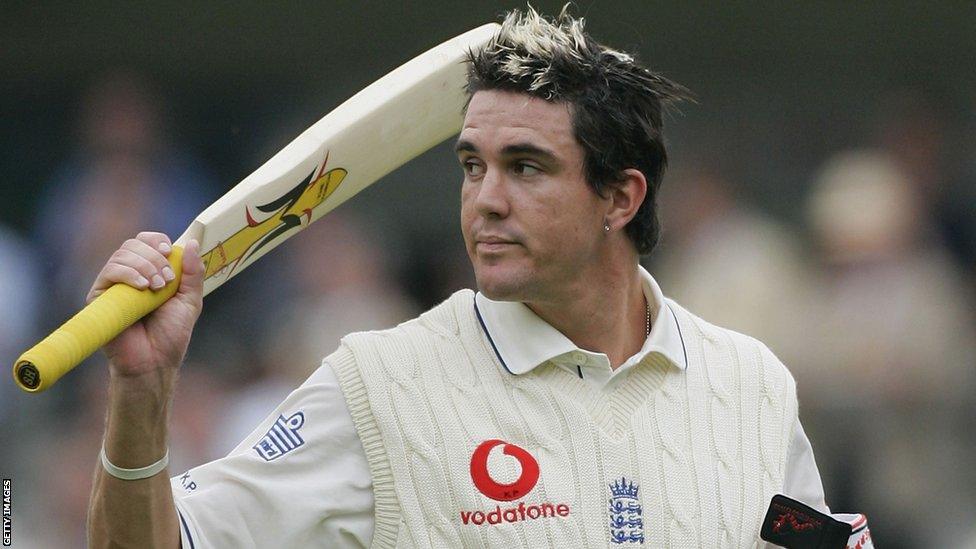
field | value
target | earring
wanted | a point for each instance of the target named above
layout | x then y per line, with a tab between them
606	226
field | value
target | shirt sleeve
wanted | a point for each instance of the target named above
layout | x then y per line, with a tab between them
802	481
300	479
803	484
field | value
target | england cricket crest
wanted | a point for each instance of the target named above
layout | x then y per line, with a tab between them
626	520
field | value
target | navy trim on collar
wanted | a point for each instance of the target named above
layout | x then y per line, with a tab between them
680	335
490	340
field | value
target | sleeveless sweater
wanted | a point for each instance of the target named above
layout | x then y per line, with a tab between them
463	453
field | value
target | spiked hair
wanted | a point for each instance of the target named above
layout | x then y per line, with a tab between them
617	104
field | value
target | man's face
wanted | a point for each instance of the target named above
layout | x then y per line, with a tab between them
531	223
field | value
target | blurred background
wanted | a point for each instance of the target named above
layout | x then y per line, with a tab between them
821	197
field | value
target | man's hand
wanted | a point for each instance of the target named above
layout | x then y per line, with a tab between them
159	341
143	362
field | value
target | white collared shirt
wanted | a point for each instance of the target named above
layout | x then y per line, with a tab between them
332	504
524	341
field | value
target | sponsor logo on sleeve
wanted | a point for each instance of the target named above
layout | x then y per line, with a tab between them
282	437
509	492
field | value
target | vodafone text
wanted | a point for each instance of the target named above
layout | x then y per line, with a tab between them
515	514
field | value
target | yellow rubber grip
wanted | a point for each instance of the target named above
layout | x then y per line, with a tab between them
98	323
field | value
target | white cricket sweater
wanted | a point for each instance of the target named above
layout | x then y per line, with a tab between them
463	453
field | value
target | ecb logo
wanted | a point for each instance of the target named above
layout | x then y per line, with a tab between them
282	438
626	520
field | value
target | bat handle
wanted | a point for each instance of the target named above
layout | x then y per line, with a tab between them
99	322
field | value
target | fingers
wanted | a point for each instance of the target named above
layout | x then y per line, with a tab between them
192	264
149	260
157	241
140	262
191	283
114	273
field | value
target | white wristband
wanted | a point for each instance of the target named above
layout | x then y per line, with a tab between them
134	474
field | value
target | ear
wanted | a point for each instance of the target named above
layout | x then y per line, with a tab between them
626	196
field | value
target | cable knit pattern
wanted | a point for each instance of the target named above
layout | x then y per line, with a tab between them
707	446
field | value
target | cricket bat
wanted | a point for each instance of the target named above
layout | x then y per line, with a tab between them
379	129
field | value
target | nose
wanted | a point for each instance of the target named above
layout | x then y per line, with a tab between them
492	198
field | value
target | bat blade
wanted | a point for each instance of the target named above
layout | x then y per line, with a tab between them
393	120
388	123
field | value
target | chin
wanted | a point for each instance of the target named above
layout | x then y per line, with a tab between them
498	285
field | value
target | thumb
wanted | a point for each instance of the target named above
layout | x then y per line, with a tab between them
191	283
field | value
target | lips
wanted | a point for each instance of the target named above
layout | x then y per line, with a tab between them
493	240
490	244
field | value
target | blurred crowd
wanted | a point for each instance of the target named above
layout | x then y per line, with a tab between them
867	297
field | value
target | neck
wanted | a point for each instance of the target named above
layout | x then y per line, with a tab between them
604	312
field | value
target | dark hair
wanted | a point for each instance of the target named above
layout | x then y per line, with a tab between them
617	104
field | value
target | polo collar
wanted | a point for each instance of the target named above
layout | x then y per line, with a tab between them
523	341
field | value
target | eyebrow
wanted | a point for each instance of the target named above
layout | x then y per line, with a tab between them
463	145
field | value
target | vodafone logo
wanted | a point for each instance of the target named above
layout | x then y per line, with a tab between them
495	490
508	492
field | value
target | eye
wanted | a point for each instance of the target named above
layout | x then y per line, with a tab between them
473	168
526	170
